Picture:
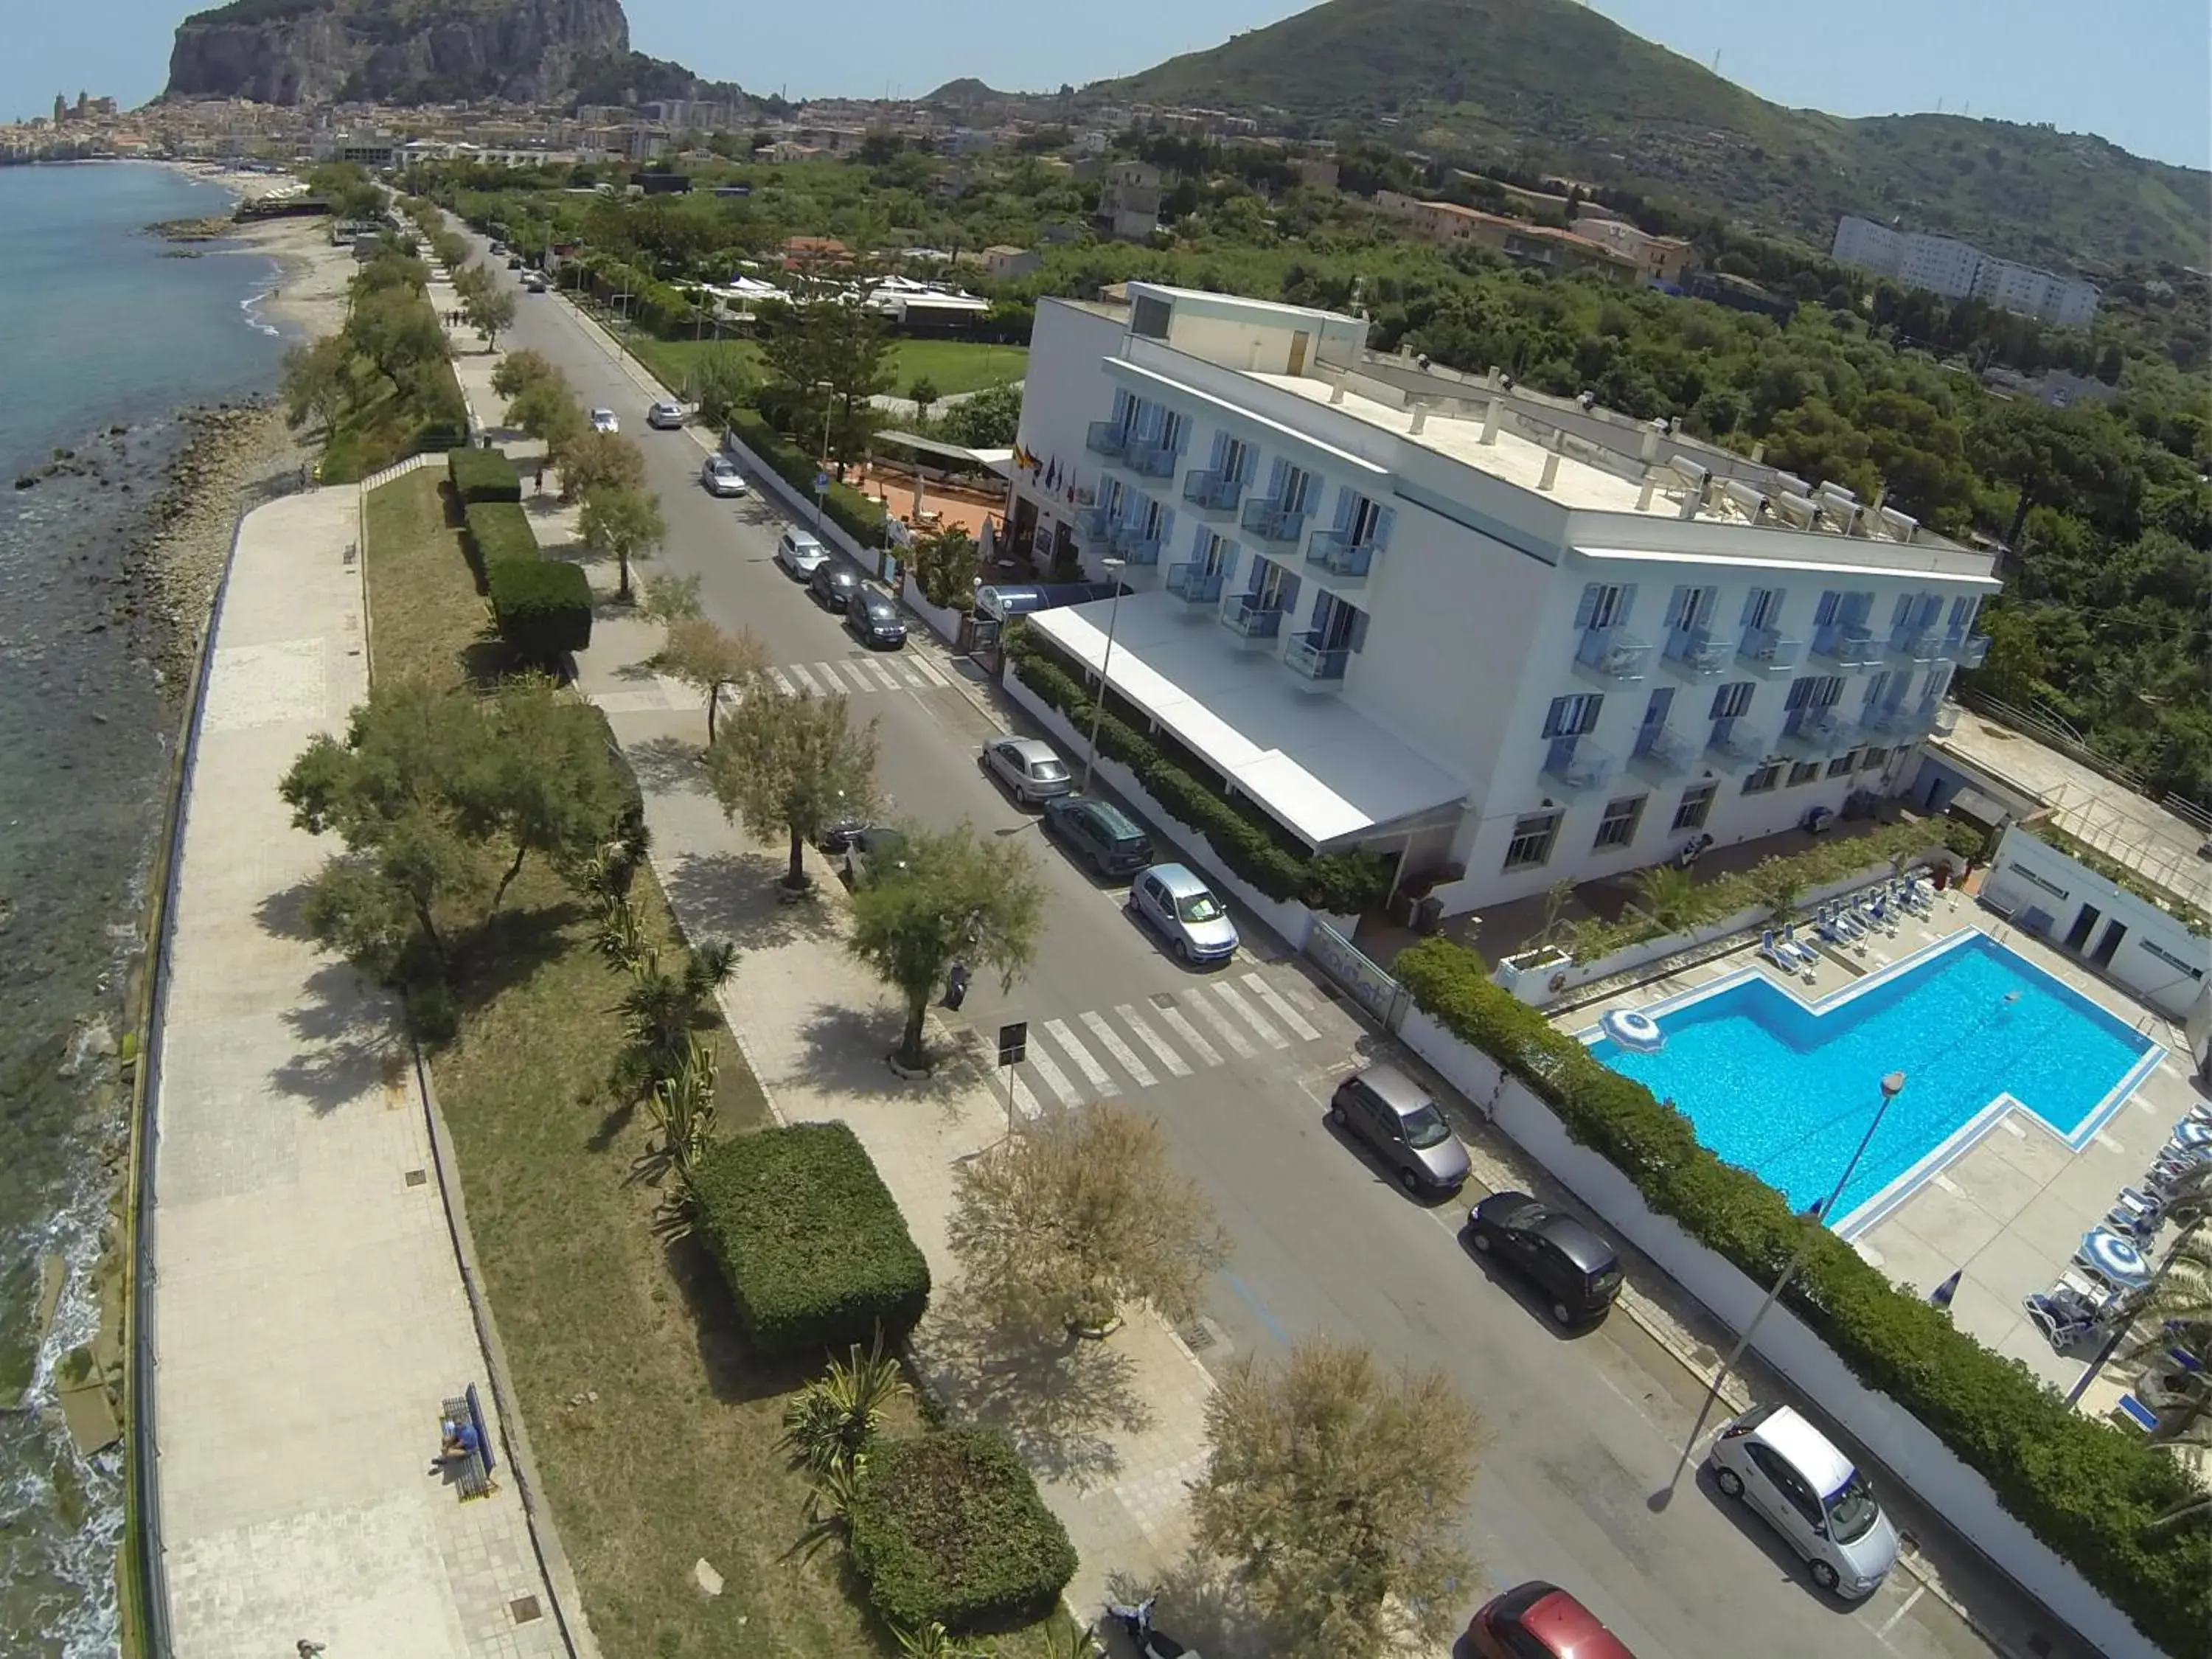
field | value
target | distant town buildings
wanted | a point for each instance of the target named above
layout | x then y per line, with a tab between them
1960	271
1130	202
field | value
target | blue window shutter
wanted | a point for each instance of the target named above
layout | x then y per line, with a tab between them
1679	604
1121	411
1774	605
1167	524
1702	617
1800	692
1229	553
1555	719
1220	449
1347	503
1182	436
1358	640
1662	703
1627	606
1901	613
1856	605
1750	607
1277	470
1588	608
1876	684
1825	613
1383	520
1289	594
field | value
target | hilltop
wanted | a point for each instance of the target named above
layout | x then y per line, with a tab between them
1547	83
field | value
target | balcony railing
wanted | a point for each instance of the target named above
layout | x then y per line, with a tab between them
1194	583
1812	732
1306	657
1613	653
1769	651
1846	643
1698	653
1093	523
1913	644
1270	522
1106	438
1735	742
1135	544
1899	722
1211	491
1150	460
1967	650
1252	617
1577	763
1337	553
1663	752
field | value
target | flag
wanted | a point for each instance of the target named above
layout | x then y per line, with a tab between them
1052	474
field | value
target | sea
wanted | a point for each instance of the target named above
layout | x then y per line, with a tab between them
105	335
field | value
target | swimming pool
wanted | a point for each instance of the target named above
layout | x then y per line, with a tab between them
1785	1088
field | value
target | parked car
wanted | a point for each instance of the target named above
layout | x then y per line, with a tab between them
1184	911
1102	834
877	852
833	583
844	827
875	619
1578	1272
533	281
1027	766
1536	1621
1394	1115
664	417
721	477
602	420
514	262
800	554
1783	1467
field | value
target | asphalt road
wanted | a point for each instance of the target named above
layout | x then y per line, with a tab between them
1586	1431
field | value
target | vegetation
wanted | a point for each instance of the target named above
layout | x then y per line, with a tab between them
625	522
2091	1494
946	562
831	1422
826	356
792	762
482	475
850	511
498	533
543	608
811	1241
702	655
598	460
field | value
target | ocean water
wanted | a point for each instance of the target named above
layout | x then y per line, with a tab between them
98	329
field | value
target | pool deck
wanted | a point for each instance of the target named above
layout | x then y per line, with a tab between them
2011	1209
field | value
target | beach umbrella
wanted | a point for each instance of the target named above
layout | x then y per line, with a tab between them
1941	1295
2115	1258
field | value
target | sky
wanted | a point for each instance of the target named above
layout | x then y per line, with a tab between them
2140	75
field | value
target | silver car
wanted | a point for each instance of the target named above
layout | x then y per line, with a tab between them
721	477
664	417
1783	1467
1185	912
602	420
1394	1115
1028	767
800	554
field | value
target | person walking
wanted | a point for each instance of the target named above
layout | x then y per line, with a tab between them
541	478
306	1650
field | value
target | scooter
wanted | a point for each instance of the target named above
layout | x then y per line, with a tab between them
1136	1624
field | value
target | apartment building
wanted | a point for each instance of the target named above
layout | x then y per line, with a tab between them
1960	271
1447	224
1508	638
1129	202
1665	259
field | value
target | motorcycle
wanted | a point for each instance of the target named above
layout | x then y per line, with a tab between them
1136	1624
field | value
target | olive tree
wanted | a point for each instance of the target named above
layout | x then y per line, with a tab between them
791	760
706	657
625	522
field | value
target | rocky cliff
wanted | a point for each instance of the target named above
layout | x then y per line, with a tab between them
400	51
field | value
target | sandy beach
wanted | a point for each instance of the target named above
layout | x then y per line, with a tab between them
310	295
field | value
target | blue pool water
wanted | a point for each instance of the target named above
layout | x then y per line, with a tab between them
1785	1089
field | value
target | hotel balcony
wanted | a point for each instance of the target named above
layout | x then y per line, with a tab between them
1212	492
1611	654
1815	733
1194	584
1577	764
1105	438
1335	553
1270	522
1093	523
1895	722
1967	650
1734	743
1768	651
1914	647
1697	654
1134	545
1150	460
1662	753
1250	617
1310	660
1847	644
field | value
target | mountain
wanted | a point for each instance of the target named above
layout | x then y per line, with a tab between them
400	51
1549	83
966	92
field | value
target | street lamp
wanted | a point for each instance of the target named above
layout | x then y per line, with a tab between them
1098	712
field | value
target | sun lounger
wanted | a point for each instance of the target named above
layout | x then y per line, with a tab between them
2063	1321
2131	1412
1807	957
1771	949
1830	928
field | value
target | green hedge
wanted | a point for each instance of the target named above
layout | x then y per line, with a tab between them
948	1528
1250	843
482	475
495	533
853	513
542	607
813	1246
2083	1487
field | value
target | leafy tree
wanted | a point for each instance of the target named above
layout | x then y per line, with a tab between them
2013	671
720	383
703	655
827	356
625	522
591	461
990	419
945	562
1078	1216
547	410
1332	1492
662	1012
491	314
922	393
317	382
958	898
792	762
547	783
520	370
395	329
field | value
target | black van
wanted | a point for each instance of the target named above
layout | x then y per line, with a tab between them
1099	833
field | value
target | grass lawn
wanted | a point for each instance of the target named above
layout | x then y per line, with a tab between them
950	365
675	1457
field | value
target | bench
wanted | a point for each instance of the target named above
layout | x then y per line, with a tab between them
2131	1412
475	1481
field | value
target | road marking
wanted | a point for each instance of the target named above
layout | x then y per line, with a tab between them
1054	1079
1245	1012
831	677
1025	1100
930	672
783	682
1161	1048
1188	1032
1889	1623
890	680
1072	1046
1282	1009
1221	1028
914	681
806	680
1121	1050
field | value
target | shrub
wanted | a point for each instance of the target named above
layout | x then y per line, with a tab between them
854	513
2086	1490
496	532
948	1528
482	475
542	607
809	1239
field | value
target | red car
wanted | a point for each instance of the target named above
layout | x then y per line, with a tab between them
1538	1621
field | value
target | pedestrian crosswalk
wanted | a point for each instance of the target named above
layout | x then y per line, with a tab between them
860	675
1103	1053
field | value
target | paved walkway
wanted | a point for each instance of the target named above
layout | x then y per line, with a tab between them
308	1310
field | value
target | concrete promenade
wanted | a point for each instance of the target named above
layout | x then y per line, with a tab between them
309	1310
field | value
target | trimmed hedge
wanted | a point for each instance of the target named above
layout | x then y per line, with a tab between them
1250	843
854	513
482	475
948	1528
812	1242
542	607
2082	1486
496	532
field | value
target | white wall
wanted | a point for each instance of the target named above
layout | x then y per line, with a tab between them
1064	389
2157	952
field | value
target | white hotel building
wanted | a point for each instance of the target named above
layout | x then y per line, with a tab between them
1513	639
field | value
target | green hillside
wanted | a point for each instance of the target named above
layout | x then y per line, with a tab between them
1549	83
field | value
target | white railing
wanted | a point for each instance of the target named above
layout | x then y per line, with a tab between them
400	469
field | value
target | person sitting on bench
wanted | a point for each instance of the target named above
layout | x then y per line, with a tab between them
461	1441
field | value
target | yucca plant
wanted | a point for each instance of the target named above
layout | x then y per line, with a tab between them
831	1423
622	937
682	1107
933	1641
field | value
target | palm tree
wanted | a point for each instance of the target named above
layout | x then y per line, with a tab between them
1668	895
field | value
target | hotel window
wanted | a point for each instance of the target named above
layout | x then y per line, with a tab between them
1575	716
1733	702
1149	316
1533	836
1273	588
1843	766
1618	827
1764	779
1804	772
1696	805
1763	608
1873	759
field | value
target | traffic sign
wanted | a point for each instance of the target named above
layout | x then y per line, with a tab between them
821	484
1013	1042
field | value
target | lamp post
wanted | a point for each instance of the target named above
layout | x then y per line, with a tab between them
1098	712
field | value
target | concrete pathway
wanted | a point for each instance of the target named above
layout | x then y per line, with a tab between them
308	1310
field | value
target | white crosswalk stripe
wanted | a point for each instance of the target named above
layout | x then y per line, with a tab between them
1163	1050
829	676
1054	1079
1280	1008
1179	1023
1223	1029
861	675
806	680
783	682
1121	1051
1251	1016
928	671
881	673
1100	1079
